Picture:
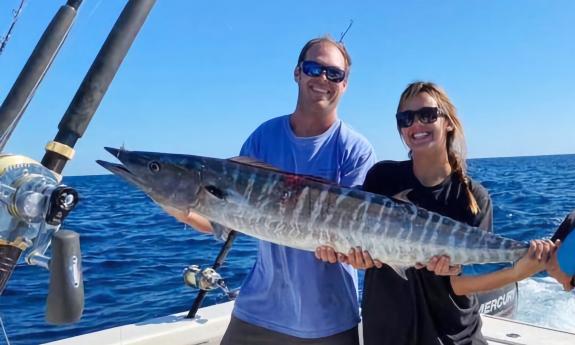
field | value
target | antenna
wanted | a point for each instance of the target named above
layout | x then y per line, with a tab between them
15	15
345	32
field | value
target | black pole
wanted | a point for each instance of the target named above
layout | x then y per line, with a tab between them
94	86
219	261
9	256
35	68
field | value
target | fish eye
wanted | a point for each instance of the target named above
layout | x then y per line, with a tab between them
154	166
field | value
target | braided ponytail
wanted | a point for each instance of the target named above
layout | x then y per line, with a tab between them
460	170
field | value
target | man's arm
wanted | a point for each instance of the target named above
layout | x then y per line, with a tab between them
192	219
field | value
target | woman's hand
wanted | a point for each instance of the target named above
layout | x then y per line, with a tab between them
361	259
441	266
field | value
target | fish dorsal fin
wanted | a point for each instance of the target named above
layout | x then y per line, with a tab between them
254	163
319	179
263	165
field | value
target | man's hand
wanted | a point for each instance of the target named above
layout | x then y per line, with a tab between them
328	254
357	258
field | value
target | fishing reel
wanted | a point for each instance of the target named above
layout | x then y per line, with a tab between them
206	279
33	205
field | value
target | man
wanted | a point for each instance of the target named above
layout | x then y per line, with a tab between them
561	265
290	297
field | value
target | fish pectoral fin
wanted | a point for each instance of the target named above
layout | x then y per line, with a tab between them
215	191
399	269
227	195
402	196
221	232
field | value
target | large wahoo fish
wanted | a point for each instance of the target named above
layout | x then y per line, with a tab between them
305	212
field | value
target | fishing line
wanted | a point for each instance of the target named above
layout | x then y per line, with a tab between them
94	9
4	331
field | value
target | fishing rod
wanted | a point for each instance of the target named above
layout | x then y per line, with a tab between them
35	68
33	204
35	201
208	279
95	84
15	17
342	36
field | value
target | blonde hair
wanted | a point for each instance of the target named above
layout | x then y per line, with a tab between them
456	148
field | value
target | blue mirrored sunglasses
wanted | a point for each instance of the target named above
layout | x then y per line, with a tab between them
314	69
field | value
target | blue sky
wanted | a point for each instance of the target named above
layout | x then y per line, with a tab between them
202	75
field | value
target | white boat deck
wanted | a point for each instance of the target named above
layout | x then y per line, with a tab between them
209	325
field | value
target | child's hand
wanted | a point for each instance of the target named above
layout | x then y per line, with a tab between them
534	261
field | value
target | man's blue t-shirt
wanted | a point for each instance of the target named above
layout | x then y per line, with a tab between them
289	290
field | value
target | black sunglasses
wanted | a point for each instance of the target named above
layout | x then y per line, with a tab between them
314	69
425	115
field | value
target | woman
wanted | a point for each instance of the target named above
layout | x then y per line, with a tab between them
434	305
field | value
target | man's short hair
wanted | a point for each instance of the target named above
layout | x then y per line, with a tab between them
325	39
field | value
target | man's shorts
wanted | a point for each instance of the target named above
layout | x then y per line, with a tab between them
242	333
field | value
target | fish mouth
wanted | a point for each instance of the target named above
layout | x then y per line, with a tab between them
117	169
133	169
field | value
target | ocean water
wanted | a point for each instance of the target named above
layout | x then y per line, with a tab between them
134	254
